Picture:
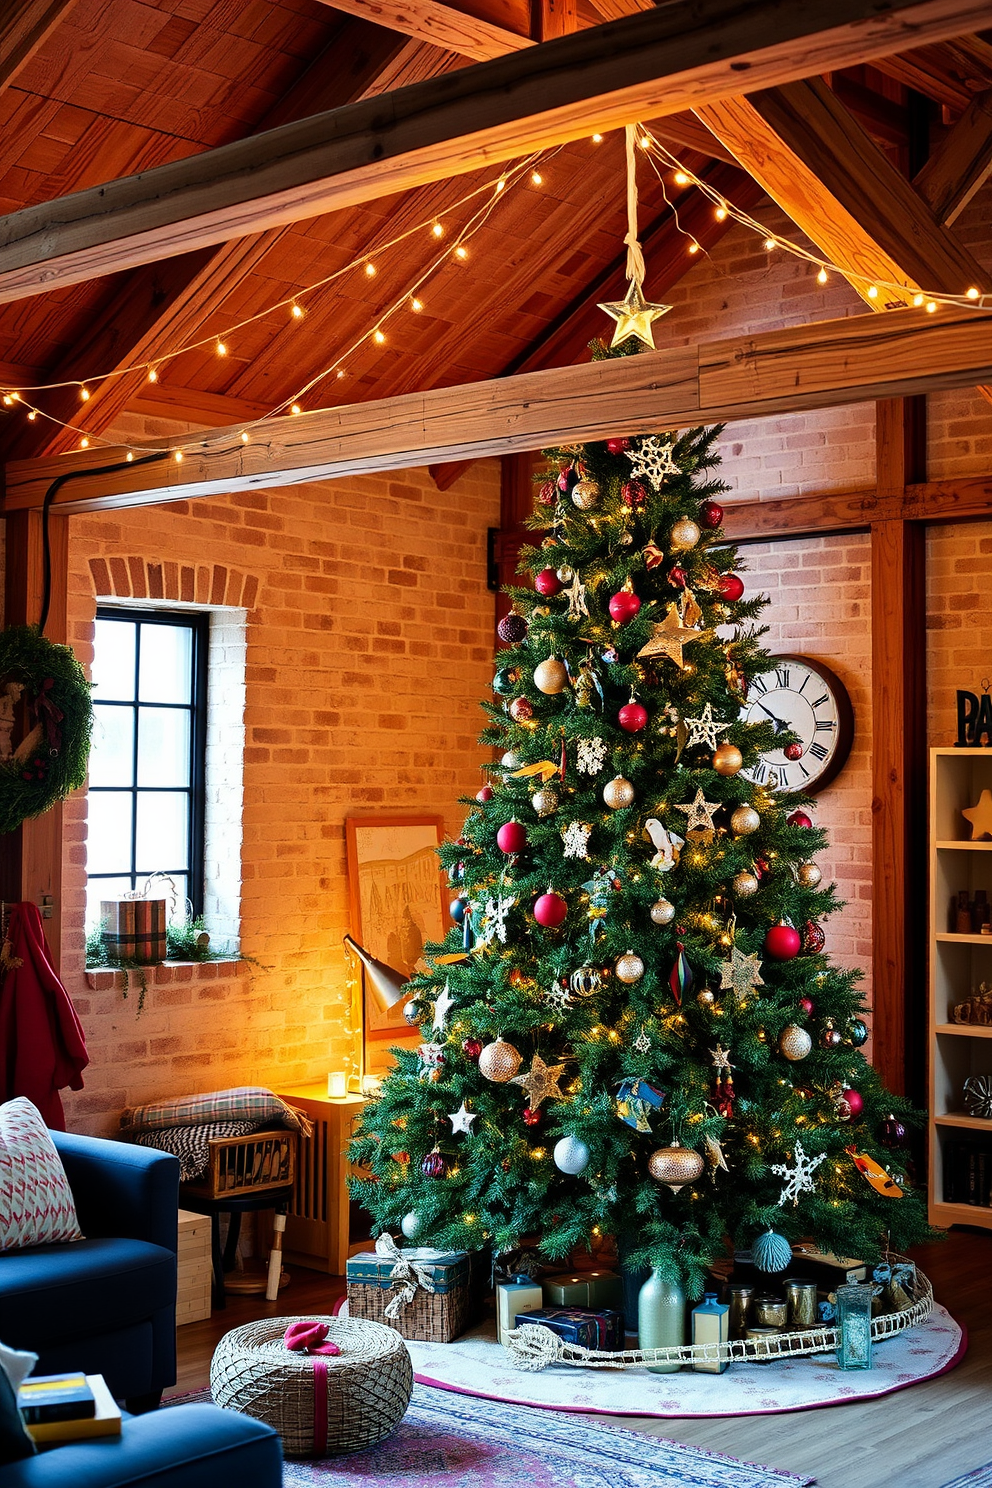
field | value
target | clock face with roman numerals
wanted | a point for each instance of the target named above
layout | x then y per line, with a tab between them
804	697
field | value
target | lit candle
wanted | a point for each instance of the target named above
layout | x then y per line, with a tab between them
337	1085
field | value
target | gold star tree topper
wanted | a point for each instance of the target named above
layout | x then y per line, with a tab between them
634	316
541	1083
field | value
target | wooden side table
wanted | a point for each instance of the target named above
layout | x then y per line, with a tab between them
323	1227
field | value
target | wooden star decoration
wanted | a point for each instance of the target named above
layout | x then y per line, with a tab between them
669	637
699	817
980	816
704	729
720	1058
634	316
741	973
541	1082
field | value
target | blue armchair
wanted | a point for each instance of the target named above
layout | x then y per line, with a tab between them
105	1304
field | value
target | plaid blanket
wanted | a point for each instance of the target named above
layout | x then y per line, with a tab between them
191	1144
246	1103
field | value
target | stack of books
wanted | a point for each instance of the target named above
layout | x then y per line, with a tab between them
68	1407
968	1170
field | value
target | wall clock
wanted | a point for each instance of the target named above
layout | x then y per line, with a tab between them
806	697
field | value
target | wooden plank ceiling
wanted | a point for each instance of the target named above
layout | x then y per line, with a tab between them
93	90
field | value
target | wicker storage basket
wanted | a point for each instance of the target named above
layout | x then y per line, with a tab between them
430	1316
368	1385
242	1166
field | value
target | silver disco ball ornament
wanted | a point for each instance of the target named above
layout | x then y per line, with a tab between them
662	912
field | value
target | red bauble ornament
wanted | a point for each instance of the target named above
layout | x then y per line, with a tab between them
731	586
512	628
782	942
548	494
617	446
550	910
433	1165
567	479
632	718
624	606
678	577
635	495
485	794
511	837
793	751
854	1103
531	1118
521	709
547	583
710	514
471	1048
893	1132
799	819
814	938
807	1005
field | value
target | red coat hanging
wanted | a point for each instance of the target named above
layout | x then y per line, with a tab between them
42	1048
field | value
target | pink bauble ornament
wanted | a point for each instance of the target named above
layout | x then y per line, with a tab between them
531	1118
853	1101
710	514
511	837
624	606
782	942
618	446
793	751
632	718
547	583
550	910
799	819
549	494
731	587
471	1048
567	478
485	794
512	628
807	1005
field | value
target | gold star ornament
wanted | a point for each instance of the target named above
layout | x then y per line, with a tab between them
634	316
668	638
541	1082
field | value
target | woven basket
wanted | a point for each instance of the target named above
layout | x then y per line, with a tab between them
368	1384
432	1317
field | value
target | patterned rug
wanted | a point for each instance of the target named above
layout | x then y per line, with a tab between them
980	1478
446	1441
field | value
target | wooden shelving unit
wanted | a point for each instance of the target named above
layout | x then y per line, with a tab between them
958	963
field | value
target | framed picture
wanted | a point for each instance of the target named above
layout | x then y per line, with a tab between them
396	902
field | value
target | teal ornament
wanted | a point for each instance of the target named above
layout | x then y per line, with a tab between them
410	1225
857	1032
771	1251
505	680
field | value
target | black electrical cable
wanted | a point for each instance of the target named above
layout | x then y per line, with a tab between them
50	494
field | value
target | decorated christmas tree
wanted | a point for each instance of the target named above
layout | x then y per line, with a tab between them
633	1029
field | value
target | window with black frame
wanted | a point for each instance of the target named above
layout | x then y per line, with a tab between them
146	770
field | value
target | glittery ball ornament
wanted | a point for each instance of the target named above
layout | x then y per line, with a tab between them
521	709
511	760
814	938
544	801
499	1062
531	1117
799	819
471	1048
433	1165
512	628
711	514
511	837
550	676
684	535
547	583
411	1012
744	884
730	587
857	1033
632	718
585	495
793	751
629	968
662	912
484	795
782	942
624	606
618	793
565	574
634	495
705	998
771	1251
809	875
794	1042
618	446
571	1155
744	821
727	759
410	1225
675	1165
550	910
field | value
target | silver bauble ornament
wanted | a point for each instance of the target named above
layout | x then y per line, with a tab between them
510	761
499	1062
809	875
675	1165
794	1042
618	792
411	1012
629	968
550	676
410	1225
685	534
727	759
744	884
978	1096
744	821
544	801
585	495
705	998
571	1155
662	912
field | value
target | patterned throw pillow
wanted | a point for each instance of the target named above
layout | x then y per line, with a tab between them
36	1204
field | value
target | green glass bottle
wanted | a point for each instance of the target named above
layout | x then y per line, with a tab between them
661	1318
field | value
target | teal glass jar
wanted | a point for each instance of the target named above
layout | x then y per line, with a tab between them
661	1318
854	1327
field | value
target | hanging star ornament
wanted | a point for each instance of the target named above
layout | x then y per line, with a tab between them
441	1008
541	1083
669	637
699	817
634	316
798	1179
642	1043
704	729
741	973
653	458
461	1120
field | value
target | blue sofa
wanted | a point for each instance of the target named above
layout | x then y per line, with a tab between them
105	1304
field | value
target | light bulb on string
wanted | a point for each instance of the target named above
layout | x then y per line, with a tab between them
931	306
873	291
437	230
340	373
537	178
972	294
84	443
370	270
152	374
720	214
130	456
461	252
693	246
918	300
680	178
770	244
378	337
296	311
597	139
821	277
32	415
221	349
179	457
416	305
84	393
296	408
244	436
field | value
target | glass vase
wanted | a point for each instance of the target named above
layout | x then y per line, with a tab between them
854	1325
661	1318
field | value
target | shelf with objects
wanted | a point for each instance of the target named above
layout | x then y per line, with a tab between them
960	987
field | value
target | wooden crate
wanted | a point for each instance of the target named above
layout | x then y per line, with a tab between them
240	1166
195	1271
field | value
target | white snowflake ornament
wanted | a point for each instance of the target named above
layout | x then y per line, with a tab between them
642	1043
799	1179
575	838
494	919
591	756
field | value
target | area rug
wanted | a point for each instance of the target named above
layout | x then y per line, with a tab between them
981	1477
449	1442
477	1365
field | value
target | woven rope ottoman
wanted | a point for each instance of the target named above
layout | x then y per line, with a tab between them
321	1406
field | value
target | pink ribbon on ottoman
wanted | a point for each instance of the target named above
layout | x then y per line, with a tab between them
310	1337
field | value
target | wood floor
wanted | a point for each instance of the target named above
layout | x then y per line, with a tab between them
919	1438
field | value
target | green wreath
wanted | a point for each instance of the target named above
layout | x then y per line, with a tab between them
46	716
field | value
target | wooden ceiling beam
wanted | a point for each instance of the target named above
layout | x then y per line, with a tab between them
679	55
950	73
440	25
827	364
855	511
25	26
961	164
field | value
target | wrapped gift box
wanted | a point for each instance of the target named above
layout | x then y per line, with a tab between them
435	1316
602	1329
595	1289
134	930
519	1294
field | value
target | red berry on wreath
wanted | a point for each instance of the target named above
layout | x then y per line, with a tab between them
632	717
711	514
531	1118
635	495
512	628
793	751
485	794
471	1048
782	942
678	577
624	606
550	910
547	583
511	837
618	446
731	587
799	819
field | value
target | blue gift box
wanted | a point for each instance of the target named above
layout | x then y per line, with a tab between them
602	1329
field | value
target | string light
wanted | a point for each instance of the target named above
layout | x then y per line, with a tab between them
461	252
680	178
931	306
437	230
370	270
296	311
32	415
84	443
972	294
221	349
720	214
918	300
821	277
179	457
84	393
693	246
537	178
873	291
244	436
130	456
296	408
378	337
597	139
770	243
416	305
152	374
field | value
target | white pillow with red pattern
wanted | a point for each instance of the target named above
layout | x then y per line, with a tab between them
36	1203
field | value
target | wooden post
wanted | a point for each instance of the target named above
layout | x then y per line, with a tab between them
898	757
515	503
31	858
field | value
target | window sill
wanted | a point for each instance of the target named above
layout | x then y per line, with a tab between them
163	973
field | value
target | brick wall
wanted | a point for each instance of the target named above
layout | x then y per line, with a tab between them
959	620
959	421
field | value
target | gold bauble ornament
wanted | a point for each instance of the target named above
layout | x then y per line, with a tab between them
684	535
565	575
550	676
629	968
544	801
794	1042
728	759
662	912
809	875
675	1165
705	998
744	884
499	1062
618	792
744	821
585	495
